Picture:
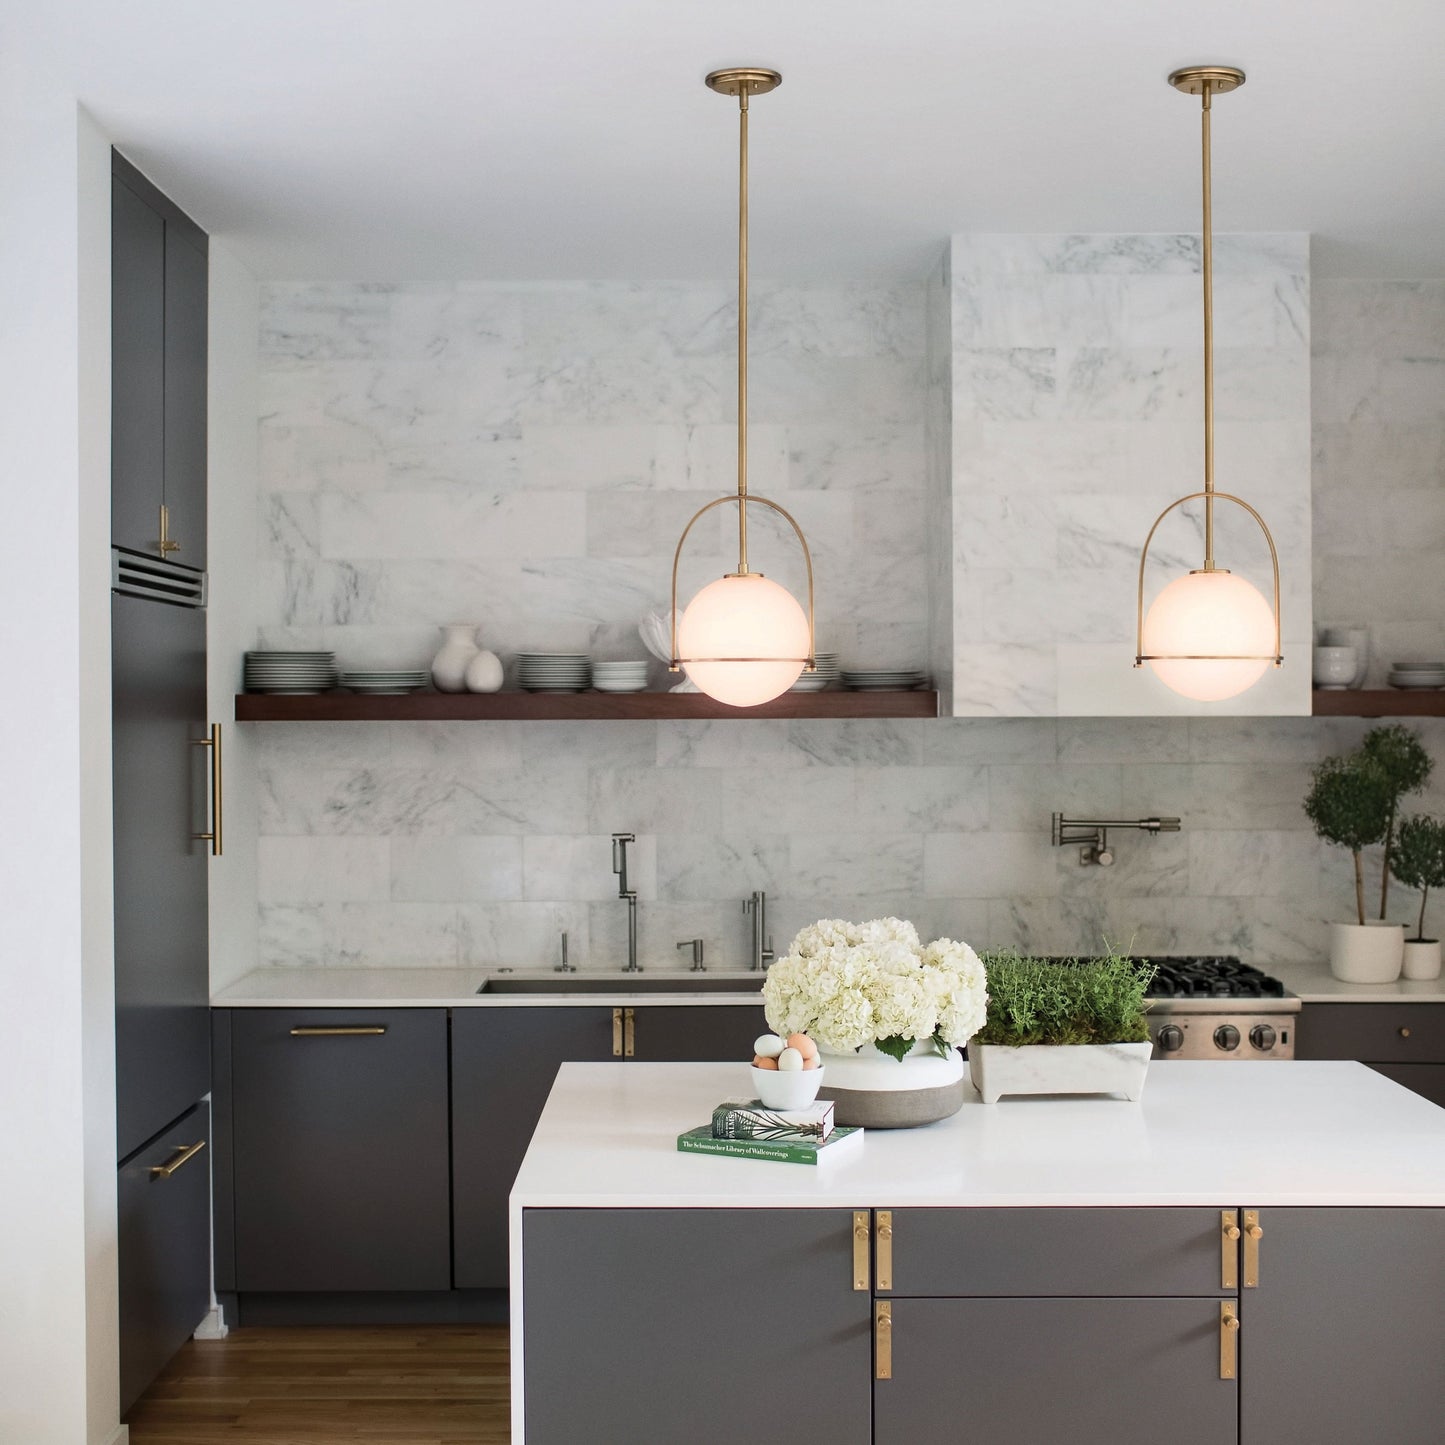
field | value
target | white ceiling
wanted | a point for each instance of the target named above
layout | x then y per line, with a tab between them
410	139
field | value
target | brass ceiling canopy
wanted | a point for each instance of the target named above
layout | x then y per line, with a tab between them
750	78
1218	79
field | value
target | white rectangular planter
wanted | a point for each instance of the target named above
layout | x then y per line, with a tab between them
1058	1069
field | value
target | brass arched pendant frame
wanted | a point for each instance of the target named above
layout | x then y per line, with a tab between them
1210	496
744	500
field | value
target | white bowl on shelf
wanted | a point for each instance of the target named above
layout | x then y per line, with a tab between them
786	1089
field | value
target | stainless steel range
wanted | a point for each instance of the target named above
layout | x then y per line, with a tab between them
1215	1007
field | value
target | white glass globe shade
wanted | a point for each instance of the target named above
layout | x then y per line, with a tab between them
1213	615
746	616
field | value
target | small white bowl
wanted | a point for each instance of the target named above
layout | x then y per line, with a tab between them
1334	667
790	1089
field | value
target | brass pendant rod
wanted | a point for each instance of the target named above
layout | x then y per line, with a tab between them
742	330
1208	268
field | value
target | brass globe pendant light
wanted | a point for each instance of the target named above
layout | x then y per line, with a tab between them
1208	635
743	639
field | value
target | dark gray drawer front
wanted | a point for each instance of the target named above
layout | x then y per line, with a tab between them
1001	1252
1386	1033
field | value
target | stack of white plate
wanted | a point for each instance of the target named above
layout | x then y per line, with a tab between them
619	676
554	671
1417	674
883	679
384	680
826	675
295	672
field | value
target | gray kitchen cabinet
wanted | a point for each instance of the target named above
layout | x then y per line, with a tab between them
187	283
697	1033
1404	1041
163	1216
336	1151
1340	1341
712	1326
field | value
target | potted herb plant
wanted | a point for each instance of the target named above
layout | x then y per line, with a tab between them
1062	1028
1419	862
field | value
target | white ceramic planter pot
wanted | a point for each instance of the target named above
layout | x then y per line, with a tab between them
997	1070
880	1092
1367	953
459	647
1422	958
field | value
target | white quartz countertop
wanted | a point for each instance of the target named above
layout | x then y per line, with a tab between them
1254	1134
1314	983
457	988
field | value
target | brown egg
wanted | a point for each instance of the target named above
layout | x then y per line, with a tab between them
804	1045
759	1062
810	1061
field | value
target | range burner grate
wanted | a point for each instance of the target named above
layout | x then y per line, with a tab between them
1205	975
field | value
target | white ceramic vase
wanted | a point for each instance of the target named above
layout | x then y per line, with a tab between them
459	647
997	1070
484	673
1422	958
1368	952
877	1091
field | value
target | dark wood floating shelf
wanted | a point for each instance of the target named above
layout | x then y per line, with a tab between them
584	706
1379	702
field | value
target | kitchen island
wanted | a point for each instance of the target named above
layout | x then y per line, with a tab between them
1252	1254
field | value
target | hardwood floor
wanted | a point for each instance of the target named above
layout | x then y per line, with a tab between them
402	1385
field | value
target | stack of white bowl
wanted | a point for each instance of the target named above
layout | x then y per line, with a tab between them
386	680
1417	674
826	675
630	676
883	679
290	671
554	671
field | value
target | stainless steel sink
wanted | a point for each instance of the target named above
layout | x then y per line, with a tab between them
627	983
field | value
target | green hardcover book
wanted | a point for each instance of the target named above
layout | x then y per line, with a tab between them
840	1143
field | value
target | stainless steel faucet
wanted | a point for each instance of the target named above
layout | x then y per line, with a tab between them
564	966
761	953
1091	835
628	895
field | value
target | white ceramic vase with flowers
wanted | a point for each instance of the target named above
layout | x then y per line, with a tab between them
888	1013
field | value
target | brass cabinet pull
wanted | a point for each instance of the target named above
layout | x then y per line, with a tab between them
617	1033
185	1153
166	546
883	1340
338	1031
1252	1235
885	1249
1404	1033
862	1236
1228	1339
1228	1249
628	1023
214	836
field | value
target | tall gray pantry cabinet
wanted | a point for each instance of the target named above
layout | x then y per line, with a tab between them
165	783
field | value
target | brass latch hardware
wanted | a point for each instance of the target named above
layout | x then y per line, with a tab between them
1228	1339
1228	1249
1252	1235
165	545
214	836
883	1340
862	1236
629	1020
617	1033
338	1031
885	1249
184	1155
1404	1033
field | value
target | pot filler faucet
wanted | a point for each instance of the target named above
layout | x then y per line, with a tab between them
1091	835
626	894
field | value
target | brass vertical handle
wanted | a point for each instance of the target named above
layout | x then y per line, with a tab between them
883	1340
165	545
214	743
628	1025
184	1154
1228	1249
338	1031
617	1033
1228	1339
862	1237
885	1249
1252	1235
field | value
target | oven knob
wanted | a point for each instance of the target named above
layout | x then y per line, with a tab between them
1171	1039
1262	1037
1226	1036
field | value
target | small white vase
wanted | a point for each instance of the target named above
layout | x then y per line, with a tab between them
997	1069
1367	953
877	1091
459	647
484	673
1422	958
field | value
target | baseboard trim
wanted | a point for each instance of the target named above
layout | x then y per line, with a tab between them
361	1307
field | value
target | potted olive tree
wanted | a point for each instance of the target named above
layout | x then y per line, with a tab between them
1419	862
1402	761
1351	803
1062	1028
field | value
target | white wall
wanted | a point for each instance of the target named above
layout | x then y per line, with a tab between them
57	1106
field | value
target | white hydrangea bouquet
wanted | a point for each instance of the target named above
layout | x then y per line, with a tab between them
850	984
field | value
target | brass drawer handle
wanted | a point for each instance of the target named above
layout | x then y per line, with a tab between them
617	1033
186	1154
338	1031
629	1022
1252	1236
1404	1033
861	1237
214	836
1228	1249
1228	1339
883	1340
885	1249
